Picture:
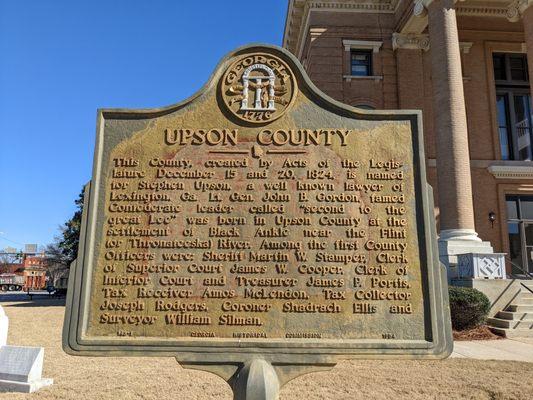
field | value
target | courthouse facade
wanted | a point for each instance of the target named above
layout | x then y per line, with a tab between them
467	66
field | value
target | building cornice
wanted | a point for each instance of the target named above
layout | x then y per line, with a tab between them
513	12
420	6
516	9
418	20
511	172
297	21
386	6
481	11
426	3
298	14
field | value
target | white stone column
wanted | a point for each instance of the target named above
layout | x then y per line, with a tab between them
457	230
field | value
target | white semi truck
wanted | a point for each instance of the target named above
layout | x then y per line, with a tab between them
11	282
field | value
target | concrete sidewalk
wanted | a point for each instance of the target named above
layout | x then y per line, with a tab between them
515	349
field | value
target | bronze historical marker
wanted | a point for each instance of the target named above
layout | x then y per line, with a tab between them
258	220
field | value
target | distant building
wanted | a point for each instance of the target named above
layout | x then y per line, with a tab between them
34	278
35	271
33	267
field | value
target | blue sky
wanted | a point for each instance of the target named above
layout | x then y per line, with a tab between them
60	60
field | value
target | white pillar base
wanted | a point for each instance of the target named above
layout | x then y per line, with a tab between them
459	241
24	387
459	234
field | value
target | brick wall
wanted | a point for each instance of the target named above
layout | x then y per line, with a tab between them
406	83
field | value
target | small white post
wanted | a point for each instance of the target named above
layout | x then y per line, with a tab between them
4	325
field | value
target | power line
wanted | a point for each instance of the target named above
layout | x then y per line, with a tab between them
12	241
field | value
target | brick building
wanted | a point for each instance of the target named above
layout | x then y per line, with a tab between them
34	278
35	272
35	260
465	65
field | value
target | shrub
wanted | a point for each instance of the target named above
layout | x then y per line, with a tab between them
469	307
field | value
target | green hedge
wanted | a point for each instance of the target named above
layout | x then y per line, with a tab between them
469	307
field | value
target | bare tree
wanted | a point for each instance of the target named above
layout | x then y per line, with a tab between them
57	262
9	258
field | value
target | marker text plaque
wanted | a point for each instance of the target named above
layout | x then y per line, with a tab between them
258	219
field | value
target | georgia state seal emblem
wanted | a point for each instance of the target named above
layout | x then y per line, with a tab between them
258	88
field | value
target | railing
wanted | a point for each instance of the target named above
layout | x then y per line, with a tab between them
525	274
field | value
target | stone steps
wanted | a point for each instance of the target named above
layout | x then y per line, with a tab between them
511	323
509	315
517	318
520	308
527	301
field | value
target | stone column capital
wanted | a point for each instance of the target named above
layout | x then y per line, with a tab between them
420	41
516	9
411	41
420	7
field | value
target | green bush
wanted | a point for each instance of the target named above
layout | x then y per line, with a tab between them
469	307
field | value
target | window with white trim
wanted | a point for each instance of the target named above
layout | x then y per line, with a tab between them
360	55
513	104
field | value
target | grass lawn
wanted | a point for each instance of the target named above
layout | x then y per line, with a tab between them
39	323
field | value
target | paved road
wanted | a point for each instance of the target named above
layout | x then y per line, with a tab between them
22	296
